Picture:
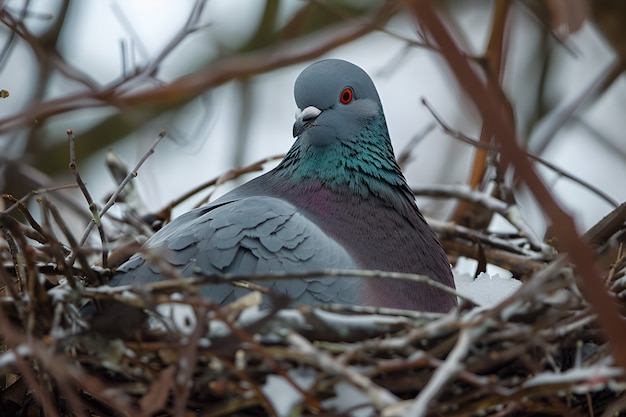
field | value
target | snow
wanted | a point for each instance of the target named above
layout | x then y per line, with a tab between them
282	394
349	398
180	318
489	288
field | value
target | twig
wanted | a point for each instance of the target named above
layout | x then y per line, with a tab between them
15	339
253	345
488	98
456	231
82	260
496	148
93	208
189	26
51	55
405	154
510	212
380	397
189	86
41	183
13	250
547	128
129	28
446	371
606	227
202	279
493	64
221	179
39	233
121	186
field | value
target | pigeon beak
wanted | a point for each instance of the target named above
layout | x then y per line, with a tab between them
305	119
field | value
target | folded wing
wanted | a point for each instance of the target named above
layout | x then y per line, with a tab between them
247	236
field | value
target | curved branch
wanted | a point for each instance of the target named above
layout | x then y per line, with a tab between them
488	99
191	85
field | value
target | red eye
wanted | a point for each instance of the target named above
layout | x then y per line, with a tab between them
346	95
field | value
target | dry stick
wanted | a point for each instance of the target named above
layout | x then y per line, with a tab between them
119	170
42	51
488	98
57	249
472	323
237	403
510	212
13	250
464	138
34	287
543	21
607	226
128	27
543	280
76	253
188	28
57	366
58	369
93	208
125	83
41	238
341	273
7	281
17	202
43	184
405	154
254	345
494	63
457	231
548	127
15	339
4	52
220	72
187	362
121	186
448	370
522	267
227	176
120	293
246	65
103	96
379	396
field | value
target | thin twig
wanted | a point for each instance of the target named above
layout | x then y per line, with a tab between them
496	148
448	370
218	73
93	207
201	279
488	99
510	212
121	186
380	397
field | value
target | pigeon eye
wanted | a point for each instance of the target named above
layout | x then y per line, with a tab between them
346	95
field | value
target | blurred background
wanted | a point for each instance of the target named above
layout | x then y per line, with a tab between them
218	76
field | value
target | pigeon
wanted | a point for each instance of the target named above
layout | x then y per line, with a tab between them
338	200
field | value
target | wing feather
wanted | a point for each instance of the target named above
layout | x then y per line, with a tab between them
251	235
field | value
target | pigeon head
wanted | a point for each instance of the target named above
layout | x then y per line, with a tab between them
342	138
335	98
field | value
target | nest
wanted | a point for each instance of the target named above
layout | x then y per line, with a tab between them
164	350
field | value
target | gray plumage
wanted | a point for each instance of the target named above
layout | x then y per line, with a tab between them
337	200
